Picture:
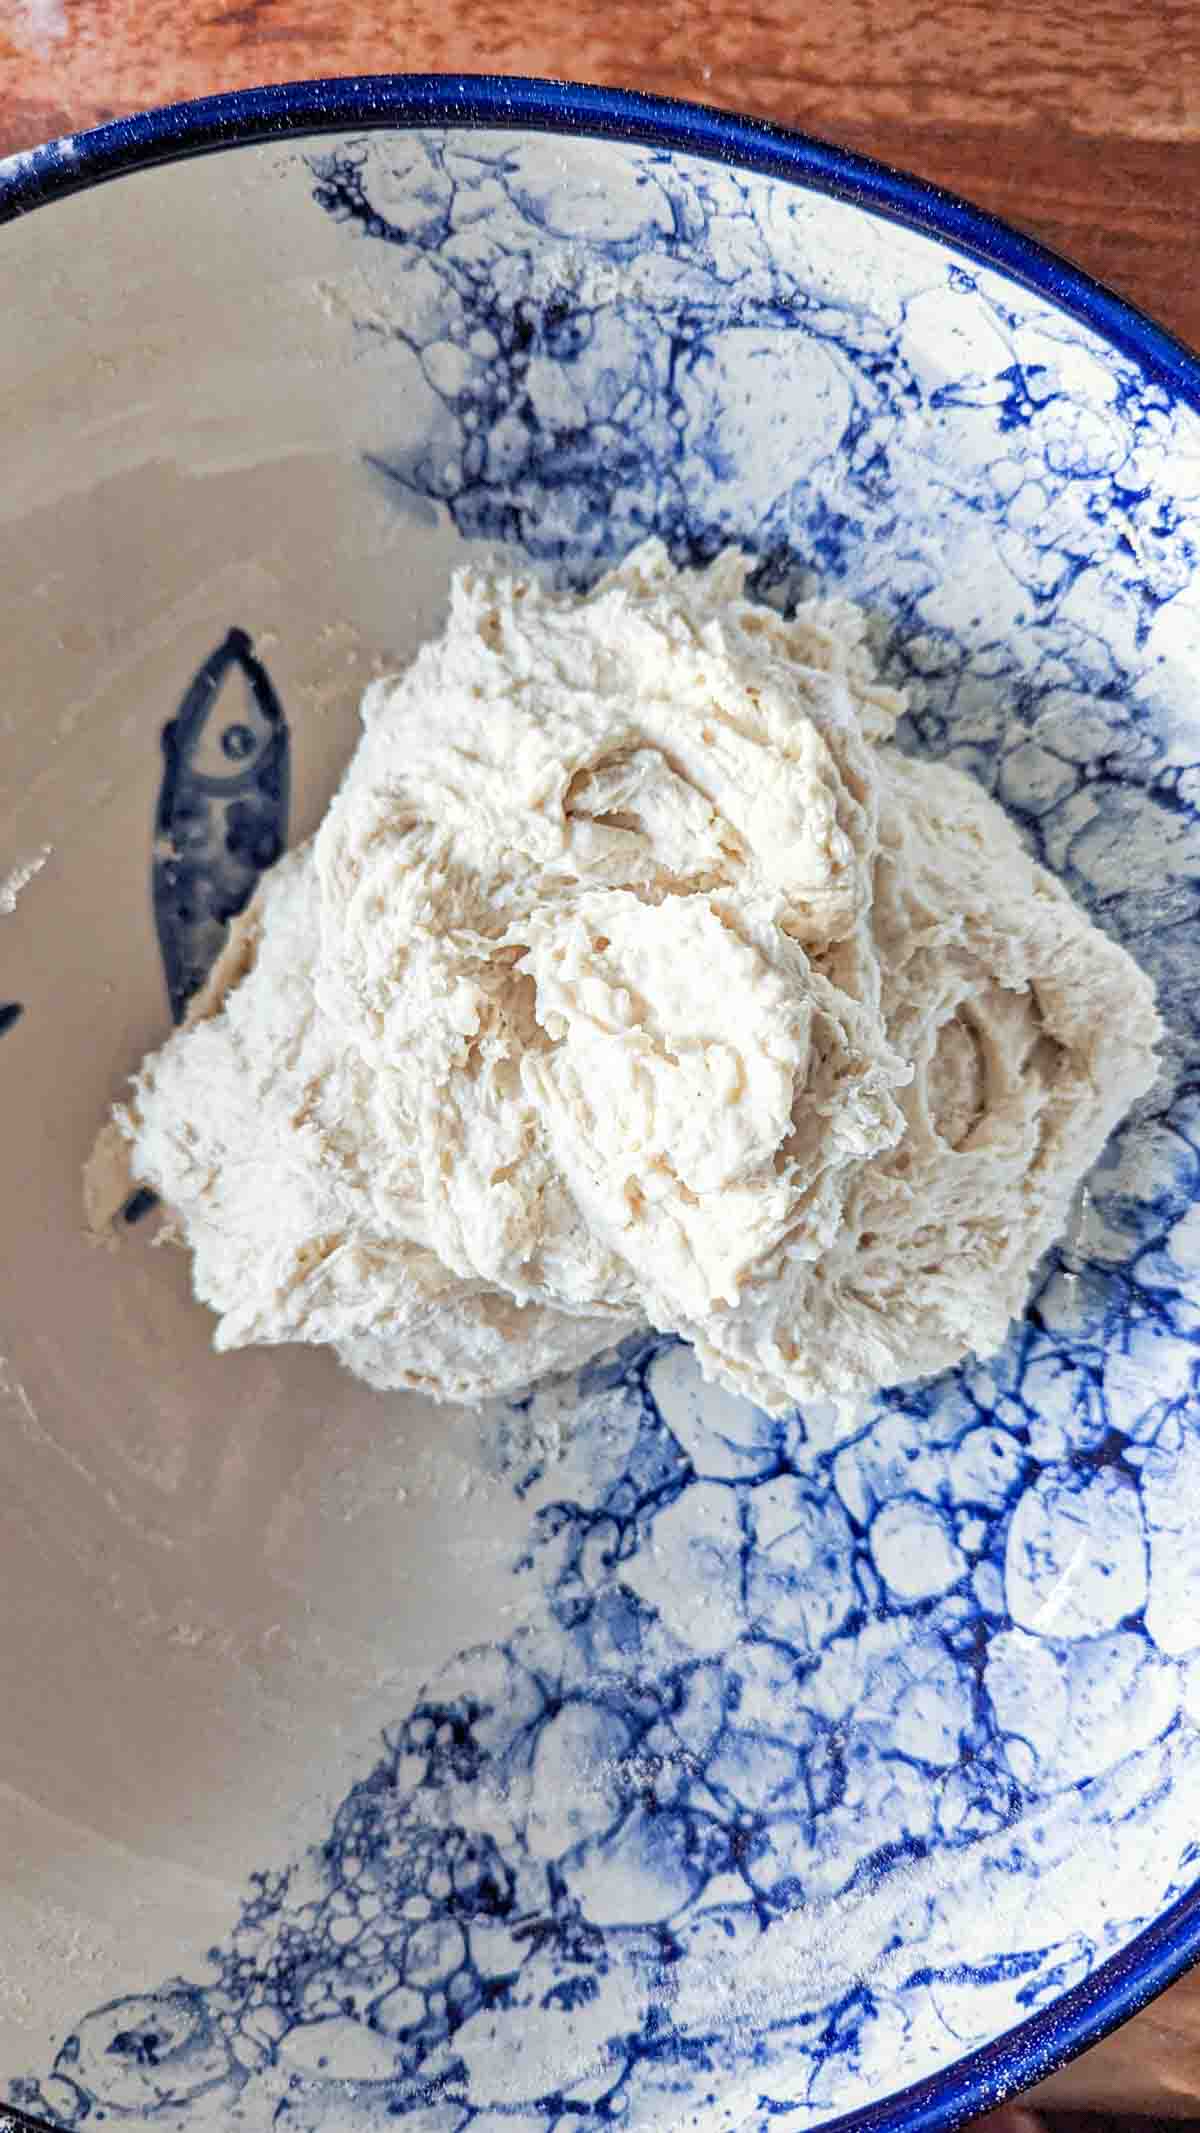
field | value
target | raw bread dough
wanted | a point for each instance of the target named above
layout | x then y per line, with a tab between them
633	975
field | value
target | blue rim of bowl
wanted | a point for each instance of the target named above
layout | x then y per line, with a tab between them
1160	1954
362	102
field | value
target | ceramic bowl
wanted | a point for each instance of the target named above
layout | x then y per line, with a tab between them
622	1757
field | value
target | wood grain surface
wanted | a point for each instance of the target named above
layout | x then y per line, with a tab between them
1077	119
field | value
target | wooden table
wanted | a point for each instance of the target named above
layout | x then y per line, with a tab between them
1077	119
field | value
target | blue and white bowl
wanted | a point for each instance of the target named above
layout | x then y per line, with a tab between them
624	1758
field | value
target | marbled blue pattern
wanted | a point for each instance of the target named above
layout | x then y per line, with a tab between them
746	1804
819	1762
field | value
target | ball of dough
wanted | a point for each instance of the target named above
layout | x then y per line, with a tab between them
634	975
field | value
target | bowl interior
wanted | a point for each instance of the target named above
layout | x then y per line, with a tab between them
388	1761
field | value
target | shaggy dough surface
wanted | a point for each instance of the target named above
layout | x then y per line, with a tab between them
634	975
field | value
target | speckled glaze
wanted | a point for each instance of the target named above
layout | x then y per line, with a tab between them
758	1770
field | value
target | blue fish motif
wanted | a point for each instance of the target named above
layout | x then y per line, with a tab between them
11	1012
222	810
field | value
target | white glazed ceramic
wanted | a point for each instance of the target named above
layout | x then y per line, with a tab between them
623	1757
